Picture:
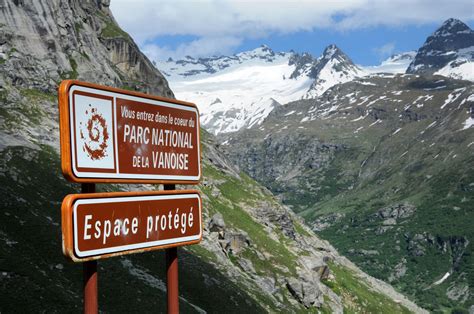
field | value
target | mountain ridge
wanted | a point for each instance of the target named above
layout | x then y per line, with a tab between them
449	51
249	83
289	76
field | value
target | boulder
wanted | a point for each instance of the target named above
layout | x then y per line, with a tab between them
234	243
307	293
397	211
216	224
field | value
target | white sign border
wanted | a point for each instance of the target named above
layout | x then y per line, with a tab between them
128	247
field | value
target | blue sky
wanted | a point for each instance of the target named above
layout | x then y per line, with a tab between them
368	31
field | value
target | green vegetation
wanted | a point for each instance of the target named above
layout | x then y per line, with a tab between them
234	197
78	27
31	109
31	189
405	150
358	297
73	74
112	30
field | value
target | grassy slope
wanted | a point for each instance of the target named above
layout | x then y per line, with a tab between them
434	175
424	164
35	276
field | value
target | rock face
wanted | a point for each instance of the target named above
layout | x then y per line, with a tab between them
399	211
452	43
306	292
75	40
333	67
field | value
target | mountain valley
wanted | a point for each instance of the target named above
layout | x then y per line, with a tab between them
381	166
256	255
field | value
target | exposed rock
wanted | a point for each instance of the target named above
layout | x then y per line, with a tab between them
363	252
398	211
78	39
246	265
399	270
389	222
267	284
286	225
382	229
416	244
458	293
327	221
216	224
306	292
317	264
442	47
234	243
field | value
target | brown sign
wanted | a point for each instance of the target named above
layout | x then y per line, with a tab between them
114	135
101	225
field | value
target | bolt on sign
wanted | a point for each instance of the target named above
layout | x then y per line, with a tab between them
101	225
114	135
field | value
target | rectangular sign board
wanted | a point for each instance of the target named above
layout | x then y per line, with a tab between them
114	135
101	225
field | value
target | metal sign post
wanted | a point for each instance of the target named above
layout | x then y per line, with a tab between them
89	269
171	256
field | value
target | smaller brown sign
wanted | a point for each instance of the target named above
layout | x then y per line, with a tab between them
102	225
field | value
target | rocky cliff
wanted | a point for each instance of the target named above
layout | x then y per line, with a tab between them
43	42
449	51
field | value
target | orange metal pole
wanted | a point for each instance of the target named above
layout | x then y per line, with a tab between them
91	304
172	272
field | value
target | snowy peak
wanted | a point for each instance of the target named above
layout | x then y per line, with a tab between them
333	67
303	64
263	52
452	27
238	91
331	51
201	67
448	51
401	57
397	63
341	60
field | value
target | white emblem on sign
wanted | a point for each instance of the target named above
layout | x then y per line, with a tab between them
94	137
95	134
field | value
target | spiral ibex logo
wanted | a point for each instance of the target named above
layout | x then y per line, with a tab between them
95	134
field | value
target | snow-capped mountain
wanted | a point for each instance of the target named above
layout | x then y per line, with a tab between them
236	91
333	67
233	92
449	51
397	63
241	90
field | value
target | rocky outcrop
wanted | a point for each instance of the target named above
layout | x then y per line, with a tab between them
398	211
307	292
43	42
445	45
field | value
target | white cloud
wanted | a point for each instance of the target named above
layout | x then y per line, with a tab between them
206	46
222	24
386	50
